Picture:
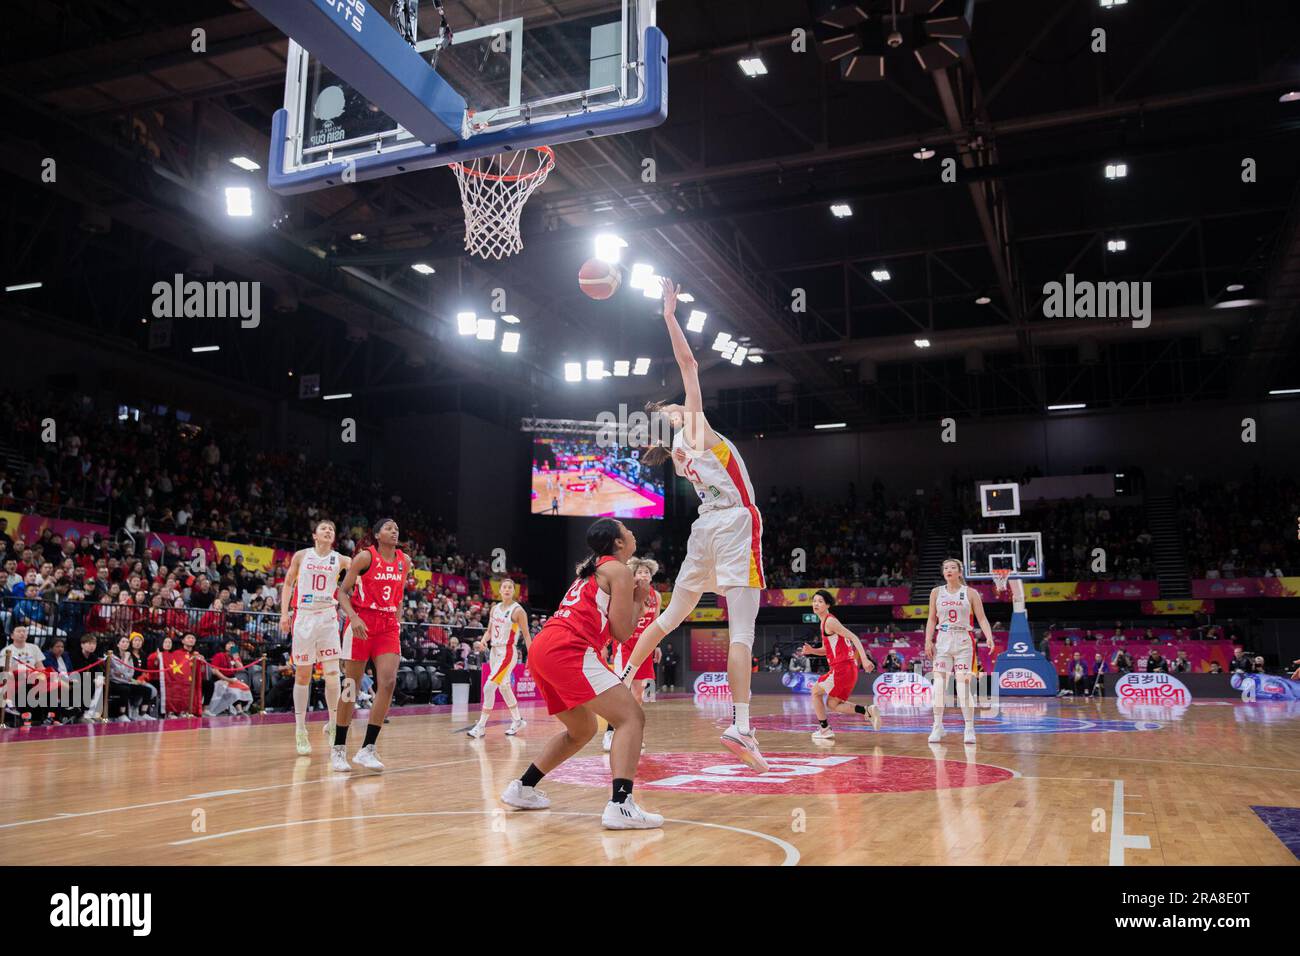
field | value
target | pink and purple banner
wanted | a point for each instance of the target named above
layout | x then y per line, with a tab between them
524	686
1210	589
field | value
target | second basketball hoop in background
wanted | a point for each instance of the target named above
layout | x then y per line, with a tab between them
599	279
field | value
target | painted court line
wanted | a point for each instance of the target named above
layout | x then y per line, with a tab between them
1119	840
222	793
791	853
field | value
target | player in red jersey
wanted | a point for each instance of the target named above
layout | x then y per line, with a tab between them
578	686
643	572
378	575
842	650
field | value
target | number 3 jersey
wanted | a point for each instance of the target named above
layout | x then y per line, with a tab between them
380	586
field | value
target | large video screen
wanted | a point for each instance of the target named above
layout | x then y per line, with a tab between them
575	477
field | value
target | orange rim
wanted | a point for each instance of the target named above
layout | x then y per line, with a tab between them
546	167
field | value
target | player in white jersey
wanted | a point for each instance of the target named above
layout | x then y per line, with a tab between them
724	553
950	644
507	622
309	608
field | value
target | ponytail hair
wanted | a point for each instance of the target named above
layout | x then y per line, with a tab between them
657	453
961	568
602	538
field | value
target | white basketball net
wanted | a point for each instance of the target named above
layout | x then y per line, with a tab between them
1001	579
493	191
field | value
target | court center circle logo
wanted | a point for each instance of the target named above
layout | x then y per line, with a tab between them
790	773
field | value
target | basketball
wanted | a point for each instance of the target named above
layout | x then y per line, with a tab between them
599	279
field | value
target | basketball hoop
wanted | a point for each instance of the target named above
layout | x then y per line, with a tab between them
1001	579
493	191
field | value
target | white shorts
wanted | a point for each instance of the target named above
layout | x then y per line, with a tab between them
315	637
954	652
725	550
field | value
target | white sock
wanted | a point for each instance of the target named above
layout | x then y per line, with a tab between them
742	717
301	694
332	691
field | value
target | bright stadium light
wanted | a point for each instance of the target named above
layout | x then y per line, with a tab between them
622	368
466	323
609	247
641	367
880	275
921	343
696	321
1116	170
642	275
1107	4
653	289
331	398
509	341
1291	96
22	287
983	300
829	425
239	201
573	371
1238	303
595	369
841	210
753	66
1116	245
1068	407
924	153
685	297
739	357
1235	287
243	162
756	359
720	343
1284	391
358	237
206	348
424	269
486	330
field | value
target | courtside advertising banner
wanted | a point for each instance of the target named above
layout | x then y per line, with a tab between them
903	688
712	685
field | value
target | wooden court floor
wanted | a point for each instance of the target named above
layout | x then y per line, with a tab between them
1049	783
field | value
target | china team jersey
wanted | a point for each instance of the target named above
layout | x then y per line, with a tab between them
839	652
953	610
718	474
318	579
380	586
503	632
585	610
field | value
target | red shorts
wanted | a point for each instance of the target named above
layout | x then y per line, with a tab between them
382	636
840	680
567	669
647	669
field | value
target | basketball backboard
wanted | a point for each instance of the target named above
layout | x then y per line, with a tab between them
517	73
1020	553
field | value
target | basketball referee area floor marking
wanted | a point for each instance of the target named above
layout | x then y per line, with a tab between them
1119	840
791	854
225	793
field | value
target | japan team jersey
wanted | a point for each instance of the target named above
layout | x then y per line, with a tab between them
584	611
953	610
838	649
718	474
648	614
503	632
380	586
318	580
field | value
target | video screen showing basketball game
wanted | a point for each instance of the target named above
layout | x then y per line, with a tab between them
576	477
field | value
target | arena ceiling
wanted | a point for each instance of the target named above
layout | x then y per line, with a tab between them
142	130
